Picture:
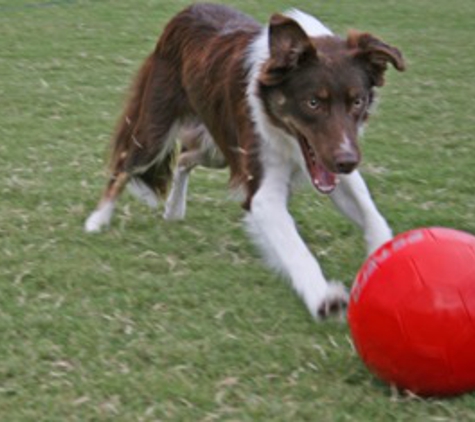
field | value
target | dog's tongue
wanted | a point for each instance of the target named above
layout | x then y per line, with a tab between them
322	179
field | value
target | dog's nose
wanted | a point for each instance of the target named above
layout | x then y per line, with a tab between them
346	162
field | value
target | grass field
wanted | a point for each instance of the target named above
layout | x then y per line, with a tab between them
157	321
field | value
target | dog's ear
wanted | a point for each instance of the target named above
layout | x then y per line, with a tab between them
289	47
375	54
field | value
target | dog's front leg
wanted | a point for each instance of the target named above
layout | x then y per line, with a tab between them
274	231
353	199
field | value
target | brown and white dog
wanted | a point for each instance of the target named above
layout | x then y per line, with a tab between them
274	103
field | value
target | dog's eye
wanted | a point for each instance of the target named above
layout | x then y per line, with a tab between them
313	103
358	102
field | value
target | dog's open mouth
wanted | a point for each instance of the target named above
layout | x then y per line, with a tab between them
322	179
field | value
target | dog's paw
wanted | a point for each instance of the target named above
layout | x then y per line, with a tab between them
95	223
100	218
334	303
174	213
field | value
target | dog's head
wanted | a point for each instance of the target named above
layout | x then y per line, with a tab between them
319	91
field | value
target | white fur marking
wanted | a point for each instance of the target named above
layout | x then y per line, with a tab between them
311	25
274	140
346	145
274	231
175	207
353	199
142	192
100	218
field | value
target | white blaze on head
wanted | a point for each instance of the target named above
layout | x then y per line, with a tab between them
346	145
311	25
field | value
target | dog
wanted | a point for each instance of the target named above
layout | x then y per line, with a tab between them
276	104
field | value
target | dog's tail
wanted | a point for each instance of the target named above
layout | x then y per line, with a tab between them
143	144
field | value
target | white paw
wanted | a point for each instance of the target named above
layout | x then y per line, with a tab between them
334	302
99	219
174	213
94	223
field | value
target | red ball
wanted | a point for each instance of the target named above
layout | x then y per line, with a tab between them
412	312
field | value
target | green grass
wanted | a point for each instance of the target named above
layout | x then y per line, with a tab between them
153	321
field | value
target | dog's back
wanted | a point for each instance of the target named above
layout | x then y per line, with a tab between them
197	71
211	42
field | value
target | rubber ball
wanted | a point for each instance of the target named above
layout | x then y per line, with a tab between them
412	312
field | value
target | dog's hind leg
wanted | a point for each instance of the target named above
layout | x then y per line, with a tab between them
175	207
148	171
353	199
102	215
197	149
143	148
